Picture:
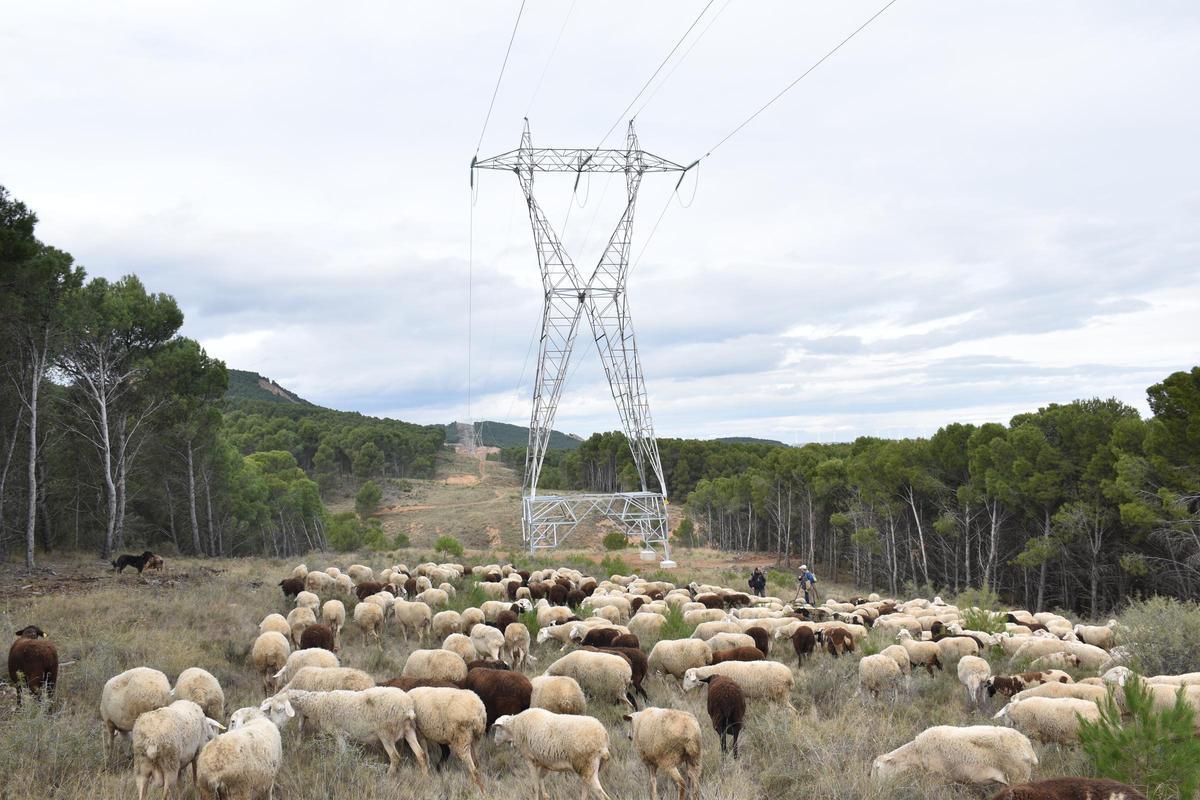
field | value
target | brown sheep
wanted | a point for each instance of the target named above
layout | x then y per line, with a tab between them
600	637
524	573
486	663
588	585
635	603
407	682
639	665
738	654
511	588
537	591
575	597
762	639
502	691
626	640
837	641
318	635
368	588
410	587
33	663
736	600
292	586
711	600
726	708
504	619
1070	789
1008	685
557	595
804	641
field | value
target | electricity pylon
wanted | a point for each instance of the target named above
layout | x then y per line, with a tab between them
601	299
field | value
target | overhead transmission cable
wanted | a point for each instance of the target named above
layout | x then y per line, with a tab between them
550	59
500	77
681	59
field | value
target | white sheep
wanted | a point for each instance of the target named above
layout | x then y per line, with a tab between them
414	617
344	585
676	656
455	718
973	673
706	630
457	643
369	619
358	573
974	754
470	618
516	645
127	696
435	665
487	641
557	693
952	648
241	763
201	688
898	654
434	598
765	680
878	673
925	654
168	739
277	623
666	738
298	620
729	641
317	582
269	655
308	657
602	676
445	623
646	624
558	743
1049	719
559	633
326	679
333	614
310	601
548	615
1080	691
299	572
381	714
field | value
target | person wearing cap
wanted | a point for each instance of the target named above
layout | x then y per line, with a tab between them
808	584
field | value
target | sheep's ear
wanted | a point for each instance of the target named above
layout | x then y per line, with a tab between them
215	724
287	708
265	706
627	718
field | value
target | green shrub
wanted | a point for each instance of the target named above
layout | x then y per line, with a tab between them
1160	634
685	534
374	539
983	598
981	620
615	541
366	502
611	566
344	532
675	627
402	484
448	545
401	541
1154	751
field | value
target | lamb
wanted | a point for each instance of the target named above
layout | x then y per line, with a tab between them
487	641
666	738
676	656
502	691
516	645
438	665
557	693
974	754
269	655
1049	719
415	617
292	586
127	696
298	619
559	743
445	623
327	679
457	643
470	618
380	714
766	680
973	673
168	739
603	676
203	689
333	614
877	673
33	663
319	635
738	654
455	719
639	664
314	657
369	619
900	656
726	708
1008	685
647	624
1070	789
920	654
277	623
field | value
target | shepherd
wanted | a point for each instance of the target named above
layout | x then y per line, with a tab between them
758	582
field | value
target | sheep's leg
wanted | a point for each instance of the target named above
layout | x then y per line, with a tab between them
538	775
463	751
393	757
418	752
723	733
674	774
169	778
736	732
654	781
693	775
142	779
594	782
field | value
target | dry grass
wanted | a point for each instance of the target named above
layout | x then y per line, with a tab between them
197	618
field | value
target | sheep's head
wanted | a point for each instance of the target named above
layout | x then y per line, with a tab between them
577	634
503	729
1117	675
212	729
243	715
903	634
884	767
31	632
543	635
1003	715
691	679
278	709
524	604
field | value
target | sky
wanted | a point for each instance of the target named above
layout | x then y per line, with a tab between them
971	210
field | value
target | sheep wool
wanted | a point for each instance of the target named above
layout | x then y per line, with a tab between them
559	743
369	619
516	645
457	643
879	673
241	762
676	656
602	676
333	614
557	693
269	655
435	665
1049	719
414	617
456	718
487	641
275	622
201	688
974	754
311	657
129	695
327	679
381	714
166	740
898	654
759	680
666	738
973	673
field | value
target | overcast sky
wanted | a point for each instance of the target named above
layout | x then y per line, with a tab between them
971	210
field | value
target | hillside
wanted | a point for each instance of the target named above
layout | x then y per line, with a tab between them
501	434
245	385
749	440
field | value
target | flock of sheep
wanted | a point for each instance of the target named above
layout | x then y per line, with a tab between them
471	678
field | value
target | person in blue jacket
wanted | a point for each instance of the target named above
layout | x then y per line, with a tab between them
808	584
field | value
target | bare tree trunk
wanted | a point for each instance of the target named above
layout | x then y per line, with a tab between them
106	467
47	531
213	545
12	445
122	487
912	503
36	367
191	474
170	510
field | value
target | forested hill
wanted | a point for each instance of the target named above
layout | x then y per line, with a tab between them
749	440
501	434
244	385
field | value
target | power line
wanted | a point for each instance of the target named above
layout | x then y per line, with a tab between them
787	88
553	51
650	80
500	77
682	58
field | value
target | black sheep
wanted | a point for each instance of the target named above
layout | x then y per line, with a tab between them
291	586
726	708
762	639
33	663
502	691
804	641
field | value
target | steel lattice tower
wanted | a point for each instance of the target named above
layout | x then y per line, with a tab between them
601	298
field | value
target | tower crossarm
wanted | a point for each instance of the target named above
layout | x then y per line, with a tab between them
546	159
